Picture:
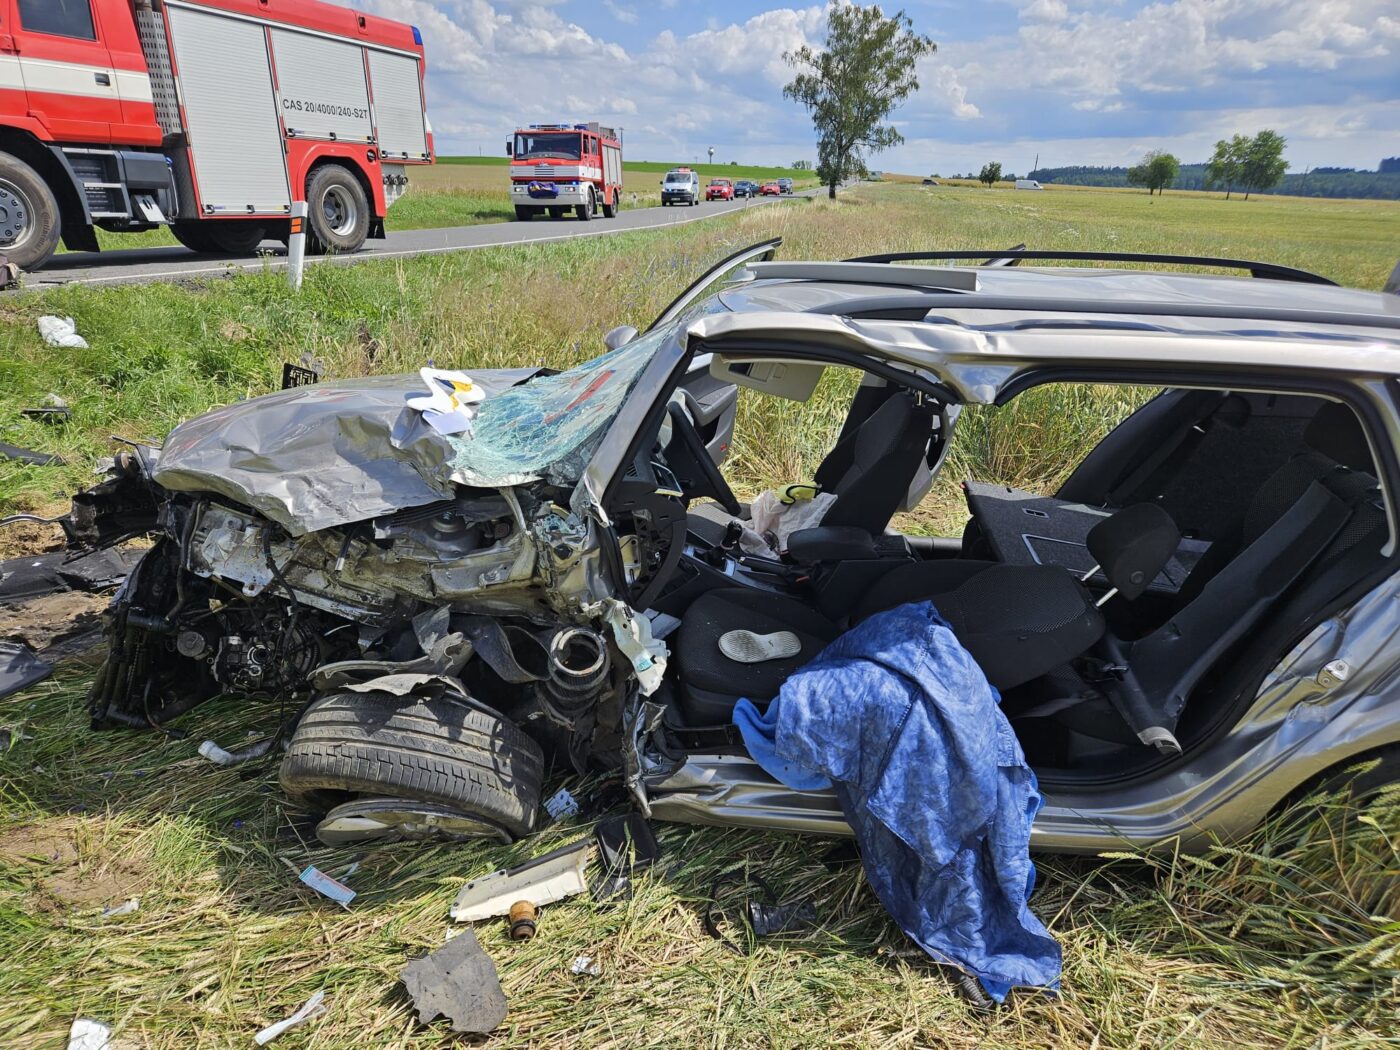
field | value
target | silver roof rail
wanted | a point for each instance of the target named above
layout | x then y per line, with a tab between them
942	277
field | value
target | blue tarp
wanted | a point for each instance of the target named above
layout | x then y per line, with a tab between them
932	779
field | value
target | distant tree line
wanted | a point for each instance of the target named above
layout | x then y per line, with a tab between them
1383	184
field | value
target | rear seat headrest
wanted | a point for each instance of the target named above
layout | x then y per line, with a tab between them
1337	434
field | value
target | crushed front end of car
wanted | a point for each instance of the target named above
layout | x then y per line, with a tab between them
430	617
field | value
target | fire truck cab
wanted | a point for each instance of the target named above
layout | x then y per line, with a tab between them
555	167
208	116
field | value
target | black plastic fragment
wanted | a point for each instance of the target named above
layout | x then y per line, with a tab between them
19	668
60	571
27	455
459	982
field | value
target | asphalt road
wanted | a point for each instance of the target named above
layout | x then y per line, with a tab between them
170	264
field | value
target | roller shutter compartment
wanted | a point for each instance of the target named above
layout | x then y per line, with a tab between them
398	106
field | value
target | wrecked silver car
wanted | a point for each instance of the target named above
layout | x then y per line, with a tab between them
438	617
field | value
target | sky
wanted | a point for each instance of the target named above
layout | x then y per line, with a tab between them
1070	81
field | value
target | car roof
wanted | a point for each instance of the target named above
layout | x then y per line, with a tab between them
1025	294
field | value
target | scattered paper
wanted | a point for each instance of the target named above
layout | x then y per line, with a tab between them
61	331
313	1007
326	886
87	1034
125	908
450	404
561	805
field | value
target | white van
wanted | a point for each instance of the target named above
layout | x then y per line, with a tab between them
1028	184
680	186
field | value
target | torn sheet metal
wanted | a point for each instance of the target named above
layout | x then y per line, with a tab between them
19	668
459	982
561	804
542	881
313	1007
319	456
327	886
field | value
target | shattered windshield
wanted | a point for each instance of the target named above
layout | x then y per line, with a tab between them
549	427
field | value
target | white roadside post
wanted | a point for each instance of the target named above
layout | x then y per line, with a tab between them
296	245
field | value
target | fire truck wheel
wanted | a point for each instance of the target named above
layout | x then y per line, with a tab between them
557	213
587	211
29	219
610	210
338	213
523	214
193	235
234	236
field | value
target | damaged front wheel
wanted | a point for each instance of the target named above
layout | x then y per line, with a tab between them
458	757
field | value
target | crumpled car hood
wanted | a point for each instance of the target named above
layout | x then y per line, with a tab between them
319	456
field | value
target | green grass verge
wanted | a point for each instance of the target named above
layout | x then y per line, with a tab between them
1291	938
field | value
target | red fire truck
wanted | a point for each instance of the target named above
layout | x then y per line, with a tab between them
208	116
555	167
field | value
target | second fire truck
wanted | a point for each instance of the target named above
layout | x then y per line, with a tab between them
555	167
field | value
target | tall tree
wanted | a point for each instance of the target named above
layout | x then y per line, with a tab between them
1263	164
849	87
1162	170
991	172
1226	166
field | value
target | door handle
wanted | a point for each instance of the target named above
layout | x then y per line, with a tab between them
103	79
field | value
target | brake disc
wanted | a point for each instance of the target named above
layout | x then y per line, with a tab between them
400	819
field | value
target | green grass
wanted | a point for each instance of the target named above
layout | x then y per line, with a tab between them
1287	939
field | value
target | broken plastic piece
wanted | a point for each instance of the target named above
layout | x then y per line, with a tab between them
542	881
326	886
127	907
313	1007
627	842
768	919
633	637
19	668
584	964
459	982
61	331
214	753
561	804
25	455
87	1034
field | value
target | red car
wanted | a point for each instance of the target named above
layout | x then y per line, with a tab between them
719	190
770	189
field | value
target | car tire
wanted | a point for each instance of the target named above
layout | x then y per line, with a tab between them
445	751
610	210
338	212
30	222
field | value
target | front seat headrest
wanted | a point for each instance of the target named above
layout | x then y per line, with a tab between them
1133	546
1337	434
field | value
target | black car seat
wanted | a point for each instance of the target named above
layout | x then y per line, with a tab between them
1335	446
1017	621
869	470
